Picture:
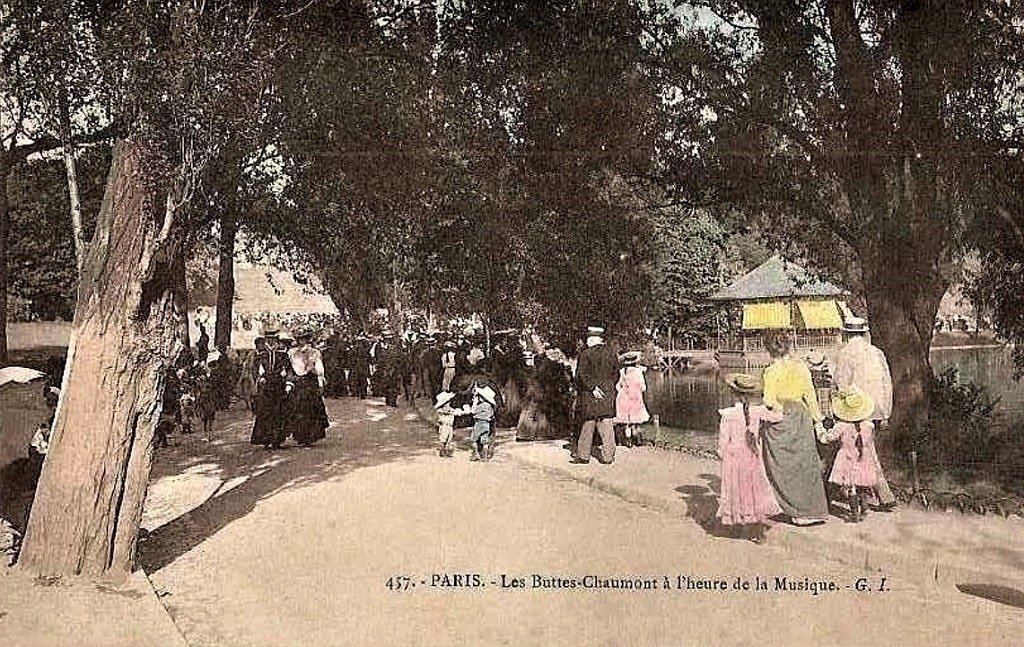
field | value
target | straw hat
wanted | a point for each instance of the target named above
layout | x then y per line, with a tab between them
815	358
630	358
485	392
855	325
443	398
852	405
743	383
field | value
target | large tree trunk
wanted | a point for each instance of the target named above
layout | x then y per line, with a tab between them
128	329
225	280
903	309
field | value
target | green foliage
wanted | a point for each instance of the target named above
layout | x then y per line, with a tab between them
960	438
41	257
865	140
488	170
689	268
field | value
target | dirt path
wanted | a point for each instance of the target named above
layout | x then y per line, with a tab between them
296	548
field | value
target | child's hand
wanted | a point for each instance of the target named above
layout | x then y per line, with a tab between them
824	436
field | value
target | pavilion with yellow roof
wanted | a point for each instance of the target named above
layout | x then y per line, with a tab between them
778	295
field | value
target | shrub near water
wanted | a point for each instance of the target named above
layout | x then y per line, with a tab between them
961	439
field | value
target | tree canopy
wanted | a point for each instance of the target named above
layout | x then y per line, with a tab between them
868	136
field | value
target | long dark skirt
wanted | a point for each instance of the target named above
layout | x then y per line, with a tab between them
793	466
270	427
308	413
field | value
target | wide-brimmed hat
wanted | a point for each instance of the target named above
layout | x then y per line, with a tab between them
852	405
485	392
743	383
443	398
815	358
271	329
855	325
303	333
630	358
595	330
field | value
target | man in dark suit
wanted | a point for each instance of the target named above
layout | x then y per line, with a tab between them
597	371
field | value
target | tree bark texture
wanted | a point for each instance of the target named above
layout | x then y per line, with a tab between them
225	281
127	331
904	284
5	172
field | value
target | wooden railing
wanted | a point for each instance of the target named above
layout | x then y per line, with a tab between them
801	341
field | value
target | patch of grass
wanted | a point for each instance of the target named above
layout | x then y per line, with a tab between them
677	439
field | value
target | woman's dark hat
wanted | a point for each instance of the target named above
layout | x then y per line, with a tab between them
271	329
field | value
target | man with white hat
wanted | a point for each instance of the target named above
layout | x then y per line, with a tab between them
597	371
860	365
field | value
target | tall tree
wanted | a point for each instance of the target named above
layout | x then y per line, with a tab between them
852	131
45	55
176	69
579	123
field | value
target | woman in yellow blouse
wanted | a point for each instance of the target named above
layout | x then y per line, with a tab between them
790	450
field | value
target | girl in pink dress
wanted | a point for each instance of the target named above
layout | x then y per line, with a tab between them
630	409
855	465
747	499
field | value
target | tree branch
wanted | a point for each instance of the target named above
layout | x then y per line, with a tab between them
48	142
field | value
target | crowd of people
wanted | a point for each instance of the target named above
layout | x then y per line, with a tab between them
781	456
509	378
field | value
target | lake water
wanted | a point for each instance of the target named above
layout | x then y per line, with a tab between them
691	401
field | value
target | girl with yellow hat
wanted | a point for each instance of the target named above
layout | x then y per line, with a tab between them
855	466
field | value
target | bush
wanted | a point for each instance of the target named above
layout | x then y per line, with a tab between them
960	438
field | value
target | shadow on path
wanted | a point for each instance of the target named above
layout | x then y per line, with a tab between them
995	593
702	505
363	435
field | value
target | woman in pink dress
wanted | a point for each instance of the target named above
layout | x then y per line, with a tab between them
855	465
630	409
747	500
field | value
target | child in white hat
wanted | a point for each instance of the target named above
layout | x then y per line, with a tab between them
484	406
445	413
